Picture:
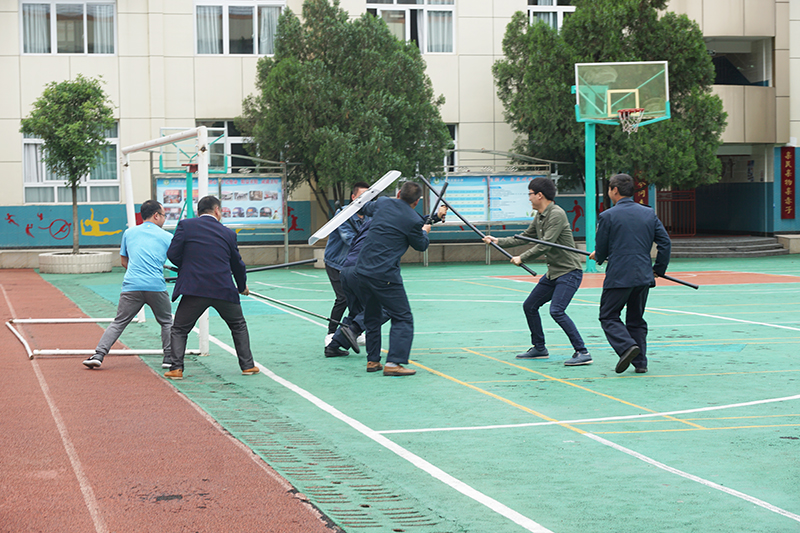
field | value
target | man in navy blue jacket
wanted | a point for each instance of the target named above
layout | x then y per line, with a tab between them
335	255
625	236
206	254
395	226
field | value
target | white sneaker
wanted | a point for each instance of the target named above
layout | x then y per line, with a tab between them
328	338
362	339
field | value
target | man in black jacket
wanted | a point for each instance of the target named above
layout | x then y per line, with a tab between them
625	236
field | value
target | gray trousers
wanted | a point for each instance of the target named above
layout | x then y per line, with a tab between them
129	305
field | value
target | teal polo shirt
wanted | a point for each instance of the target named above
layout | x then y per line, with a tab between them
145	246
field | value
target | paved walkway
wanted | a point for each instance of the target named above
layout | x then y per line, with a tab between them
118	449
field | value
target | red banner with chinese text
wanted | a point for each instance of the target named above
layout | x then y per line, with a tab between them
641	194
787	182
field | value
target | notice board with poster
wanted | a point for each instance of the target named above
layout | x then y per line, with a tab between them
254	201
488	198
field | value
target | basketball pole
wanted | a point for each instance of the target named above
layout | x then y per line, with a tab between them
591	194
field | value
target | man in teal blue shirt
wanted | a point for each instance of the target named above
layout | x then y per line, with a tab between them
143	252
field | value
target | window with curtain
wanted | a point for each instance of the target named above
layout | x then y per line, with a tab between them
551	12
76	27
237	26
267	28
42	186
428	23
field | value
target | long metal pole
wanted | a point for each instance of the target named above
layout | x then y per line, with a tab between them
586	253
470	225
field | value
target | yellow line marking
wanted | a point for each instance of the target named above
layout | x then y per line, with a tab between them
575	385
691	429
493	286
595	378
654	420
497	397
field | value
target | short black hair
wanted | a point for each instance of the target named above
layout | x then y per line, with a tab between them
207	204
410	192
149	208
544	186
359	185
623	183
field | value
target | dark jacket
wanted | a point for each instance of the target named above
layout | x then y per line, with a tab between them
625	236
339	241
395	227
206	254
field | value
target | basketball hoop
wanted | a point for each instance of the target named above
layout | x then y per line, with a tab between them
630	119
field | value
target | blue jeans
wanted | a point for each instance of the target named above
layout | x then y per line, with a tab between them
559	293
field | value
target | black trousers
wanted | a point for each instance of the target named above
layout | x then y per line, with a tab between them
634	331
340	303
189	310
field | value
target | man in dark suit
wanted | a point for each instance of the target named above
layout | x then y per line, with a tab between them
206	254
395	226
625	236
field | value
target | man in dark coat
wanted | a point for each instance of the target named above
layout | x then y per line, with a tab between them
625	236
206	254
395	226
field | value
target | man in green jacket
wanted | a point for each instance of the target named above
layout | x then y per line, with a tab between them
564	272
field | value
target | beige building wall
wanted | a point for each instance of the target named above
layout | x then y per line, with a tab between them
793	38
756	115
155	79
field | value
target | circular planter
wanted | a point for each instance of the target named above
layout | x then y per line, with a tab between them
68	263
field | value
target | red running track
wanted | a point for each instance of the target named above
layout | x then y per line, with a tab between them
118	449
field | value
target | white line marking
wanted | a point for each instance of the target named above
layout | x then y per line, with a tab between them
726	318
289	312
289	288
86	487
711	484
417	461
595	420
303	274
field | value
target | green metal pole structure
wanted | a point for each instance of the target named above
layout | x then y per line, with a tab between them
189	188
591	194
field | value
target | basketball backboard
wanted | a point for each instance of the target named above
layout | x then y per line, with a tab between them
174	157
603	89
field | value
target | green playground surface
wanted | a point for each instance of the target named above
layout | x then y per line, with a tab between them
478	441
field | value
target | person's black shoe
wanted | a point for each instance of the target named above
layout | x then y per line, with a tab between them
534	353
641	370
625	359
335	351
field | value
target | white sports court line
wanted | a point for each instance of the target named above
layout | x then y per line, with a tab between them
83	481
707	483
476	495
417	461
767	324
468	491
593	420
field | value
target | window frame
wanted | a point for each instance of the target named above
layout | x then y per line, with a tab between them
559	10
53	30
225	5
425	7
87	183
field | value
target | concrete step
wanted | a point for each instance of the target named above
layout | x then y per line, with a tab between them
710	247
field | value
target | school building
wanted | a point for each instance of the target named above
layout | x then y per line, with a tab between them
185	63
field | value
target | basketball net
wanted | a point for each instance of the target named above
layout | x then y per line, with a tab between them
630	119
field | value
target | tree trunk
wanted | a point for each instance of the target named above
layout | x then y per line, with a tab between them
75	225
322	199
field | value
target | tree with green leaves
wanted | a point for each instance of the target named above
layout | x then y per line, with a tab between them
345	99
535	79
72	118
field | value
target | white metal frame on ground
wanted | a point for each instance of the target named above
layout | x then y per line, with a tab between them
58	351
202	174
